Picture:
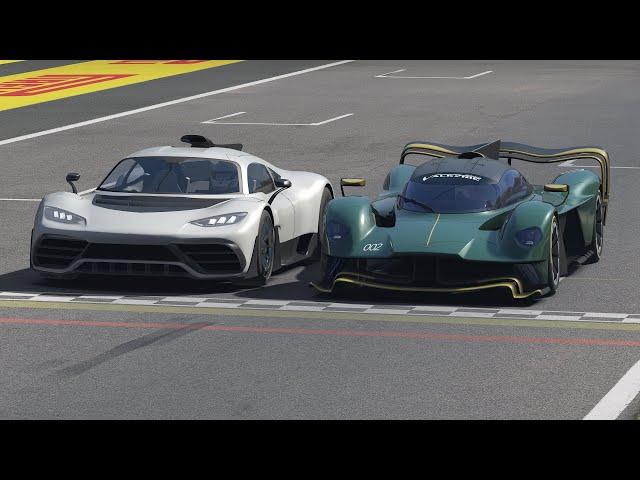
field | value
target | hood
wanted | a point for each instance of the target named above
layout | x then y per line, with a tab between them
433	233
468	235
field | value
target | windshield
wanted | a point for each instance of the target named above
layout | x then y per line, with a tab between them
462	193
173	175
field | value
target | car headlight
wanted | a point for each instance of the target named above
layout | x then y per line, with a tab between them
336	231
218	220
62	216
529	237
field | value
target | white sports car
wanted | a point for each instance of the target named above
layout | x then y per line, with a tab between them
204	211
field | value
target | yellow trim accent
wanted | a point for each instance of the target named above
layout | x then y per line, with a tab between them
430	147
432	229
353	182
513	284
556	187
3	62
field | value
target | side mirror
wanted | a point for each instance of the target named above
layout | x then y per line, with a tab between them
73	177
556	187
351	182
283	183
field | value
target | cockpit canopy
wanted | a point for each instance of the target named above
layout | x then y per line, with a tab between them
463	186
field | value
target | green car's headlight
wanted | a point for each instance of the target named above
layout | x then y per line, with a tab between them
529	237
63	216
220	220
336	231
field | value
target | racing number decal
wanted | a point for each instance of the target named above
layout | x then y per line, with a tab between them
372	247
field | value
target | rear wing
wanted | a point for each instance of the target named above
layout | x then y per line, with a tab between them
518	151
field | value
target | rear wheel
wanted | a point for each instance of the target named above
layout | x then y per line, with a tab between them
553	263
598	232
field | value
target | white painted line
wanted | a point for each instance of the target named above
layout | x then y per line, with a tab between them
619	397
470	77
52	298
472	314
389	73
349	305
215	121
217	305
100	297
225	116
394	311
169	103
332	119
301	308
20	199
479	75
435	309
183	299
557	317
515	311
133	301
266	302
605	315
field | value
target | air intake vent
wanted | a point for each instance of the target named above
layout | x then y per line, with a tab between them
212	257
57	252
113	251
147	203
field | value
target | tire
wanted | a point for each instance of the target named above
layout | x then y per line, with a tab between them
264	250
553	262
327	196
598	232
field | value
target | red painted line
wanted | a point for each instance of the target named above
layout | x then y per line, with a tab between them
328	332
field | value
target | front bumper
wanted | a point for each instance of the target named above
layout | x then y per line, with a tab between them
115	254
433	274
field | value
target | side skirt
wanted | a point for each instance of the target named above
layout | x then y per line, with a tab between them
296	249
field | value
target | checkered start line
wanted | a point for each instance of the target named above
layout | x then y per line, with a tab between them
293	305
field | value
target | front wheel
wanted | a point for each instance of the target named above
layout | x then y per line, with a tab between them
598	232
264	250
553	263
320	250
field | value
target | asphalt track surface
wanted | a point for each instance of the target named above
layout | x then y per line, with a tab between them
141	360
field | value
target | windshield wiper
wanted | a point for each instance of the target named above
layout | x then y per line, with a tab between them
416	202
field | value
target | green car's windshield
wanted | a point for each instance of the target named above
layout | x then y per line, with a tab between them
462	193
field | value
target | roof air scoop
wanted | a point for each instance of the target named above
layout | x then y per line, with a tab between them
198	141
490	150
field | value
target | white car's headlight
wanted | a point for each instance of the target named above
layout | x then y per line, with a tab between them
219	220
62	216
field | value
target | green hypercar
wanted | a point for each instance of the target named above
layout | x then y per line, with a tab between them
462	219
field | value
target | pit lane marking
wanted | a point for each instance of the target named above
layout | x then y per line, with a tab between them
619	397
390	75
215	121
169	103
